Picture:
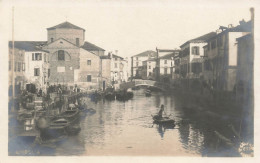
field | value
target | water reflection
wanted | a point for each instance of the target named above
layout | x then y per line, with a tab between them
162	128
126	128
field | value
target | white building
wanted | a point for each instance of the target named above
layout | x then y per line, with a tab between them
137	62
119	67
192	54
37	68
35	65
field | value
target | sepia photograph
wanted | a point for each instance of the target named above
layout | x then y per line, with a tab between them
129	78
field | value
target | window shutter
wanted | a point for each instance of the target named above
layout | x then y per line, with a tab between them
40	56
33	56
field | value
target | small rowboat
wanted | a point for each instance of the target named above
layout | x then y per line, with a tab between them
148	93
163	120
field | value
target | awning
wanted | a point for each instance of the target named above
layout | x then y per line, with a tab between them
197	60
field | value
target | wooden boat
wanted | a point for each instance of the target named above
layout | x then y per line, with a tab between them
110	96
163	120
123	95
59	123
148	93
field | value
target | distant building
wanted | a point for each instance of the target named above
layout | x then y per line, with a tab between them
149	69
137	62
166	64
106	71
118	69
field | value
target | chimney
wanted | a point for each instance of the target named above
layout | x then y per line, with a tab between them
218	31
230	26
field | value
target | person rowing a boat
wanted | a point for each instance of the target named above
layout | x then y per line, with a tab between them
161	112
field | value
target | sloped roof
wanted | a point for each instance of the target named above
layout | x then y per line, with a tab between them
67	25
146	54
116	56
197	60
91	47
242	27
167	56
27	45
151	59
105	57
202	38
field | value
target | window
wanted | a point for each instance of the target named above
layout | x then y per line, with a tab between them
38	56
23	67
165	61
220	41
213	44
15	66
150	73
89	62
44	57
149	67
33	56
165	70
195	50
51	39
77	41
136	63
115	59
61	55
115	65
137	58
36	71
49	72
89	78
10	65
60	69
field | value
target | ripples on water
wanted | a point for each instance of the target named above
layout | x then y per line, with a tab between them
126	128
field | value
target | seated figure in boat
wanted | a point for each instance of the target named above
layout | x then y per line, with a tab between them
161	112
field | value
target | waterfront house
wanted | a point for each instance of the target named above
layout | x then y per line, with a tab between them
221	56
191	56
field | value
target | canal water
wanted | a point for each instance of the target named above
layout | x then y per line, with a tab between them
126	128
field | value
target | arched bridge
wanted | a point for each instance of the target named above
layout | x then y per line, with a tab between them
151	83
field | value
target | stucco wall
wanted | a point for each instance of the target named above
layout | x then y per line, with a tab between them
85	69
68	34
41	64
71	61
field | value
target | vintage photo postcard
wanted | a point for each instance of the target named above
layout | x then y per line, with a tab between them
128	78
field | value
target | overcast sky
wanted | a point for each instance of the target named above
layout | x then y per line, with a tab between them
130	28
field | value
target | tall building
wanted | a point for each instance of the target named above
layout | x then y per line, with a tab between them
221	56
72	59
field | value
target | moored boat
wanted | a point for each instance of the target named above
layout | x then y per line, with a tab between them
148	93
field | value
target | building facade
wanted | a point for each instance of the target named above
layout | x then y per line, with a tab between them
118	69
137	62
191	57
221	57
245	69
16	71
37	68
72	59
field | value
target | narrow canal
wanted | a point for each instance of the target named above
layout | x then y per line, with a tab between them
126	128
